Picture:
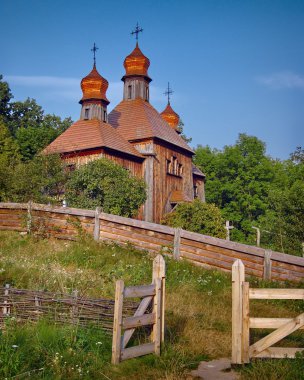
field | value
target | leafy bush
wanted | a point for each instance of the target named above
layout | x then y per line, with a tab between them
40	180
198	217
102	183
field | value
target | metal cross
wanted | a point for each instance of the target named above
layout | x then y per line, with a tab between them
94	49
137	31
168	92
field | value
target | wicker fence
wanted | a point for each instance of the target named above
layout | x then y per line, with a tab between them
28	305
210	252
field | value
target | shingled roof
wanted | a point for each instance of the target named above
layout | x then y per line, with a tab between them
137	119
196	171
88	134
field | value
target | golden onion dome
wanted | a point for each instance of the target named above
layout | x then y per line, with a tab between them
94	86
170	116
136	63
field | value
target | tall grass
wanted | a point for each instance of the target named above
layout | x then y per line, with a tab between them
198	314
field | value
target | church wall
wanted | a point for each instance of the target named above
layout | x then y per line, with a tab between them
200	187
164	183
82	158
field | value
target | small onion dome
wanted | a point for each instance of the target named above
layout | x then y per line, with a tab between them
136	63
94	87
170	116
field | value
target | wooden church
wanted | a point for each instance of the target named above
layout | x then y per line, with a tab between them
134	135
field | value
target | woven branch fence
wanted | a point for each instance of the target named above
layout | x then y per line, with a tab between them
209	252
30	306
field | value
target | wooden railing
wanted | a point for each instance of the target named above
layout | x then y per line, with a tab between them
151	294
207	251
242	351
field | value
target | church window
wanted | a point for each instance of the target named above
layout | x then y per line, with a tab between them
173	167
195	191
129	92
104	116
86	113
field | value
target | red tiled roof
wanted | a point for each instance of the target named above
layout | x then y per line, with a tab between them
88	134
137	119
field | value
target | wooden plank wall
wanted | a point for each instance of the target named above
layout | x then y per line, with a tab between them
206	251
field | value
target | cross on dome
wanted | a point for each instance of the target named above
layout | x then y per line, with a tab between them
137	30
168	92
94	50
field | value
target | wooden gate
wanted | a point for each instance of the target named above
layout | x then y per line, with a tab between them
123	328
242	352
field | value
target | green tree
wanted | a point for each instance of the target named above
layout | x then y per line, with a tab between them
102	183
180	128
9	149
5	97
238	181
41	180
197	216
282	224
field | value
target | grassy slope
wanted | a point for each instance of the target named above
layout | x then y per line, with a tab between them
198	310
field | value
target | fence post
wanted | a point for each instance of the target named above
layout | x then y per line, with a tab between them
97	224
29	217
238	277
157	310
6	308
159	271
176	243
267	265
116	343
246	329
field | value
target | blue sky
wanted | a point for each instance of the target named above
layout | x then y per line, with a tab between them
235	66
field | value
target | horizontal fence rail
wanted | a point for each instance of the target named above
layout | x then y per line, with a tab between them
209	252
28	305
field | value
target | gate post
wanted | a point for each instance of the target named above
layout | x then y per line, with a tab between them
238	277
116	344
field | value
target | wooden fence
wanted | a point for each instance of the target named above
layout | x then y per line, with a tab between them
27	305
151	294
242	351
210	252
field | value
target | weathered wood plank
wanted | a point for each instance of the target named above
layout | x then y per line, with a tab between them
268	323
267	265
157	310
159	271
96	232
224	259
166	239
145	302
276	294
144	236
245	327
238	277
139	291
116	343
143	320
176	244
134	352
256	260
276	335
